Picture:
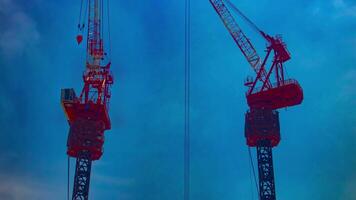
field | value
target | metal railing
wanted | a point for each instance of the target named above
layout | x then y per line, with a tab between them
275	85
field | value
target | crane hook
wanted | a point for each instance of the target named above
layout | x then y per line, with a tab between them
79	39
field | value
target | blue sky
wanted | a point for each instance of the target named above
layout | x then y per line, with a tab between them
143	156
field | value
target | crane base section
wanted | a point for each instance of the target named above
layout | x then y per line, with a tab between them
82	176
265	171
286	95
261	125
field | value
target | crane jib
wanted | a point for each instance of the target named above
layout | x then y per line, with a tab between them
240	38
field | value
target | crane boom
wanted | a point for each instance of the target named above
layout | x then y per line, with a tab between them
239	37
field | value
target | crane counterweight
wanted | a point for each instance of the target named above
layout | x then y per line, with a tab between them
260	125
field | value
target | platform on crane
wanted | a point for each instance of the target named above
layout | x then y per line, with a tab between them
75	109
288	94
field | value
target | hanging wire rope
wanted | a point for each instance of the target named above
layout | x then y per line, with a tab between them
253	25
253	170
101	19
251	183
68	176
187	104
80	16
109	34
85	15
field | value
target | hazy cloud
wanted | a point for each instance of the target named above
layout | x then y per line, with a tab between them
344	9
18	32
348	82
349	191
19	188
114	181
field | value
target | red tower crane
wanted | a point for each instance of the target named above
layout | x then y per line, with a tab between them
87	114
264	95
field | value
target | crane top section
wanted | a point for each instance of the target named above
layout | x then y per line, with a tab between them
88	113
95	46
93	101
263	92
97	77
96	53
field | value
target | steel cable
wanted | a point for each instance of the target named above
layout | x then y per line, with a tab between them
187	104
253	170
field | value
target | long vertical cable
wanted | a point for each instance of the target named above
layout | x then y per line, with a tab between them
80	16
108	10
102	20
251	182
68	168
253	170
187	104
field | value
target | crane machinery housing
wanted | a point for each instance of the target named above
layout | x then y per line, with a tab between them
264	95
87	114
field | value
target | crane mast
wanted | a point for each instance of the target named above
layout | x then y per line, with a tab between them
262	129
87	114
94	42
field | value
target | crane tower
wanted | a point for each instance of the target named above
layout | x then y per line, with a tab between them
264	95
87	114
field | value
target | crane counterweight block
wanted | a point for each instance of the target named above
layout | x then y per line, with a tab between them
87	122
262	125
288	93
86	135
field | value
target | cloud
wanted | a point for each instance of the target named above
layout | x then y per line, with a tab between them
349	80
7	106
349	189
316	10
116	182
6	6
344	9
18	31
339	3
16	188
119	183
